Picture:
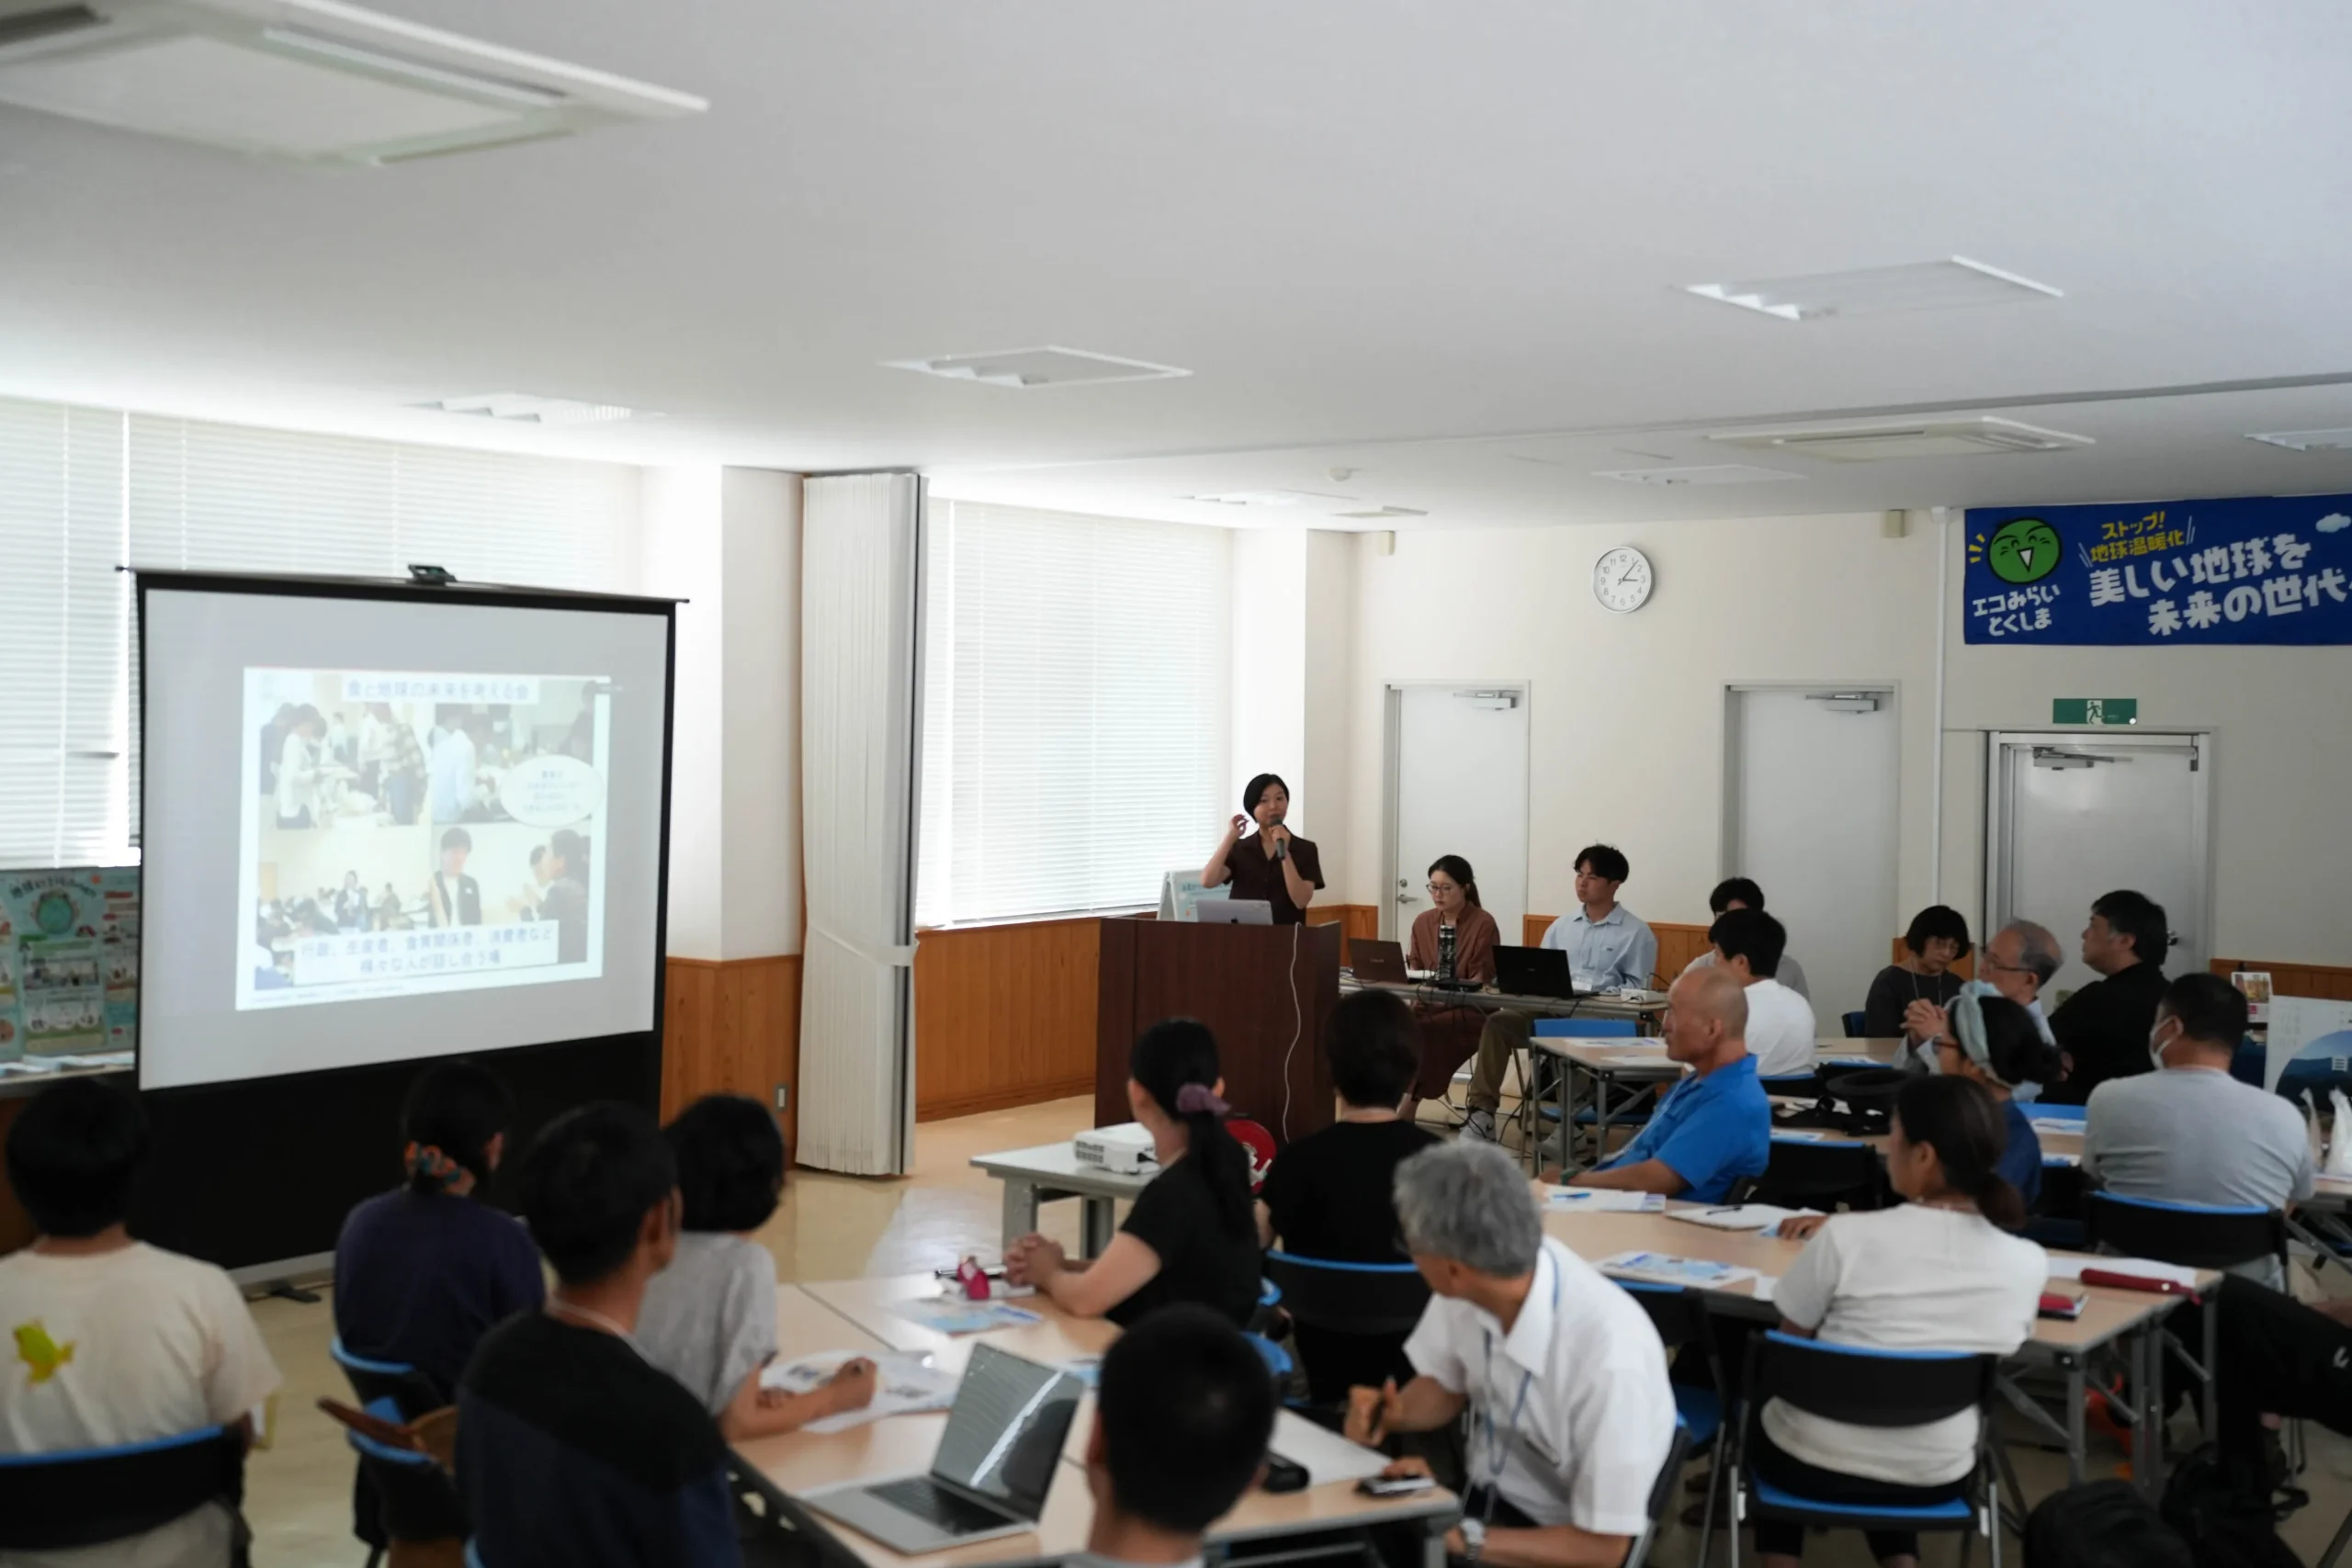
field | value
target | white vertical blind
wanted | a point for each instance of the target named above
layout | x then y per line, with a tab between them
85	491
1078	709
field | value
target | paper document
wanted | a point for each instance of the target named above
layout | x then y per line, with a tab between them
1698	1273
1602	1200
953	1315
1324	1455
904	1382
1766	1217
2070	1265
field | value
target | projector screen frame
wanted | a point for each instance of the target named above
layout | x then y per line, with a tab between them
218	1187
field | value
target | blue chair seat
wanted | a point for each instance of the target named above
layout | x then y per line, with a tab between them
1955	1512
1277	1359
1702	1410
2040	1112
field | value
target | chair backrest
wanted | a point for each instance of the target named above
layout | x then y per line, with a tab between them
1855	1023
2195	1235
1795	1085
1808	1170
417	1497
372	1380
1349	1298
1865	1387
90	1496
1586	1027
1679	1317
1663	1492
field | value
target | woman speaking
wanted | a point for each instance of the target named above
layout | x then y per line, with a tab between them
1273	864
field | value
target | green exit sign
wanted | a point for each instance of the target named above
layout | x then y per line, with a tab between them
2094	710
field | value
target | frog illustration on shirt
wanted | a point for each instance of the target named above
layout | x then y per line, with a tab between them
40	1352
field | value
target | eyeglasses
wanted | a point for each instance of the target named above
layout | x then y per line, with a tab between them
1434	888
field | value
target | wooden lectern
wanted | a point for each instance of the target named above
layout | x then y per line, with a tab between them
1266	992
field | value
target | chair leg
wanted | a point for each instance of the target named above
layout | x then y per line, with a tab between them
2335	1547
375	1557
1718	1476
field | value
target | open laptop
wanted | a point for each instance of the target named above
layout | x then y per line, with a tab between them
1234	912
995	1463
1533	971
1382	961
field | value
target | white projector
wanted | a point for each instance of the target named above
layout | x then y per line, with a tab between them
1123	1150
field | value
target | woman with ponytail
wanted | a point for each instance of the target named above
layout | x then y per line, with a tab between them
1994	1042
1193	1234
1936	1272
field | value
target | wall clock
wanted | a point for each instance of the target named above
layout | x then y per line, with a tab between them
1622	579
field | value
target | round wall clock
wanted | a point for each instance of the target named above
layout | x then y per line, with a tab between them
1622	579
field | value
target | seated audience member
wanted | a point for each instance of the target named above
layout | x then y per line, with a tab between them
1992	1041
708	1319
1715	1126
1937	940
423	1272
1938	1272
2275	1356
114	1341
2016	962
1609	949
572	1449
1780	1033
1192	1234
1182	1415
2190	1133
1449	1030
1564	1370
2103	1028
1741	893
1327	1196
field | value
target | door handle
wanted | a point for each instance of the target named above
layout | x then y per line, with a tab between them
1404	897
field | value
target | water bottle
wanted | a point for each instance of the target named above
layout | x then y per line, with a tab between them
1445	954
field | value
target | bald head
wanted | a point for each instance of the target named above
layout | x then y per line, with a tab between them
1706	1017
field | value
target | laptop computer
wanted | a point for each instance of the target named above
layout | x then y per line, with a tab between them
1533	971
1379	961
1234	912
995	1464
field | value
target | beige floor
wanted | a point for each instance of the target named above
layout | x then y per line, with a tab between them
830	1227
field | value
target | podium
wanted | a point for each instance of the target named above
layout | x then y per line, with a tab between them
1266	992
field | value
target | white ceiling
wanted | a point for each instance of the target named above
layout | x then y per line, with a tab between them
1438	244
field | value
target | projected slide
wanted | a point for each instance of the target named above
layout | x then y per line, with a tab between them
410	833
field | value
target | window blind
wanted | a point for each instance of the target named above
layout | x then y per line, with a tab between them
1077	709
84	491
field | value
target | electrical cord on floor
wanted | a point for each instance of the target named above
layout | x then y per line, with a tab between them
1298	1026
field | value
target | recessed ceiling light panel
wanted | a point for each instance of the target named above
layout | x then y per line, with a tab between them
2307	440
1028	368
313	81
1697	474
525	408
1908	439
1879	290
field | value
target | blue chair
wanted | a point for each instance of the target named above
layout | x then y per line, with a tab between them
1678	1452
78	1497
1868	1388
1277	1359
1537	1101
392	1497
1369	1301
1819	1173
2194	1236
1855	1023
1680	1318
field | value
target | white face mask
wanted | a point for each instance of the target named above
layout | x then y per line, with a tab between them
2155	1051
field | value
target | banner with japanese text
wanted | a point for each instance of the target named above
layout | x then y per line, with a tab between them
2256	569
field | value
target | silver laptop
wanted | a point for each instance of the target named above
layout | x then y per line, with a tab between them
1234	912
995	1463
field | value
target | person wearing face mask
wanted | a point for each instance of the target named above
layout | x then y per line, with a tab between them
2187	1132
1272	864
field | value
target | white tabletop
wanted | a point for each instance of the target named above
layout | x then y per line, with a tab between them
1057	1165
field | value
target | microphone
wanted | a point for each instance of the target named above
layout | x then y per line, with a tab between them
1281	846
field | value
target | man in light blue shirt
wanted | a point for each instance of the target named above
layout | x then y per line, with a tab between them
1609	948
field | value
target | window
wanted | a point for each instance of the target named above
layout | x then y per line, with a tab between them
82	491
1075	705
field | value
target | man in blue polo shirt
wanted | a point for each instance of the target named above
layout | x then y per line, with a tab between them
1714	1127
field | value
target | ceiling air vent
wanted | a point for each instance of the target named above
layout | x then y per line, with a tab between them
1909	438
2307	440
1945	284
525	408
1026	367
1697	474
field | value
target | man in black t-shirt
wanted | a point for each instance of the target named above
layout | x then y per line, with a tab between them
2103	1028
572	1450
1327	1196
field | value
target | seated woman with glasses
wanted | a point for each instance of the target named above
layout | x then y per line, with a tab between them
1454	927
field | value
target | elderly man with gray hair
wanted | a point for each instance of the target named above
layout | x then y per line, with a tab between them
1562	1370
2016	964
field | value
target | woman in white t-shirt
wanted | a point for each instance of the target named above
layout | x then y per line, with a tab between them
1939	1272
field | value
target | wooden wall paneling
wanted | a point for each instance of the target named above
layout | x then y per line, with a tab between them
1354	920
2326	981
1676	943
1004	1015
732	1027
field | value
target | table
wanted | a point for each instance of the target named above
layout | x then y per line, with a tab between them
1645	1013
854	1314
2108	1315
1048	1171
1603	1062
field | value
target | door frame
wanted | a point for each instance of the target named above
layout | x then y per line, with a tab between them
1998	849
1392	740
1728	758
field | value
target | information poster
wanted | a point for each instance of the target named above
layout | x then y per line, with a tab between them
69	962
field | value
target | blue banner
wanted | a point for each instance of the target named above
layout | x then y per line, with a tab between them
2263	569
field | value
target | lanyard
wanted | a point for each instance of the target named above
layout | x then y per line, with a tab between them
1497	1444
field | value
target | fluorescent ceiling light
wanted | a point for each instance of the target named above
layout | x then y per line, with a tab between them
1305	501
1880	290
313	81
2307	440
526	408
1027	367
1697	474
1910	439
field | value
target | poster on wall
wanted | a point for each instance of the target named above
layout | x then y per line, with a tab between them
69	962
2259	569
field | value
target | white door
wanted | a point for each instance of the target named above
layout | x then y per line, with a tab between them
1459	760
2074	816
1812	781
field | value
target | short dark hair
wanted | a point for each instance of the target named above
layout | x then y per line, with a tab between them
1938	920
456	1106
2139	916
458	839
1256	788
1733	890
1375	1048
2211	1011
1752	934
1607	860
592	1174
74	1154
1187	1410
730	1162
1962	1122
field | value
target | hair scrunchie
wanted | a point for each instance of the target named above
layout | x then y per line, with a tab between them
427	1160
1194	1099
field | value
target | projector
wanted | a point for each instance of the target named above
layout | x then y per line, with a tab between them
1123	1150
